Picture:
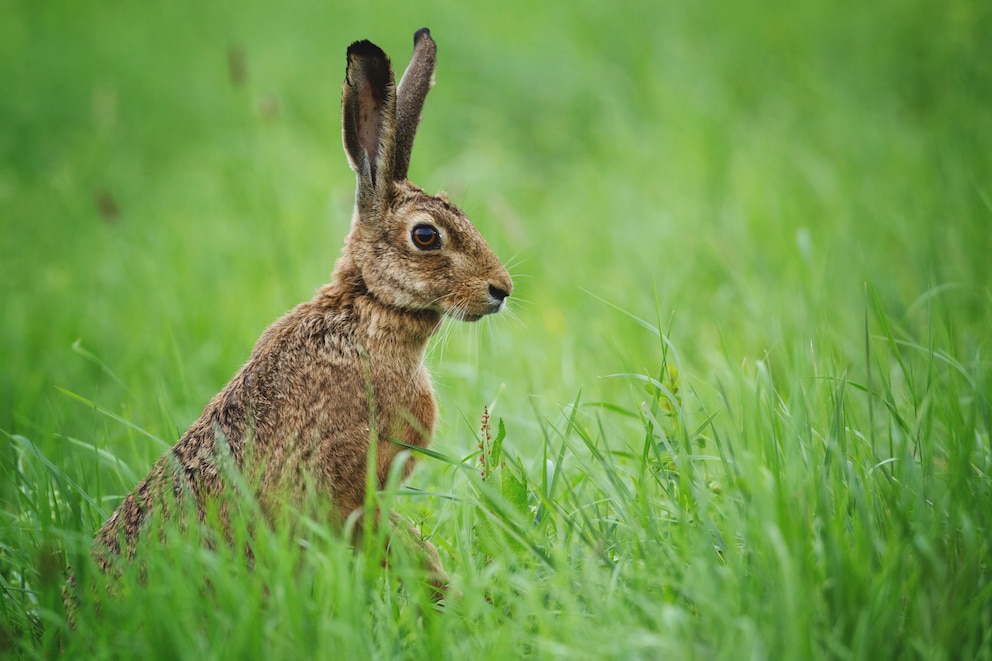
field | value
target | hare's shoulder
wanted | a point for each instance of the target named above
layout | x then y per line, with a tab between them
310	331
307	354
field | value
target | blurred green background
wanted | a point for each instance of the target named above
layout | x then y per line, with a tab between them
171	181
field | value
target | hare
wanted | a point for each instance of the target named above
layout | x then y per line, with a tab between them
346	368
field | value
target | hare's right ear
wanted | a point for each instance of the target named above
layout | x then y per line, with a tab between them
368	106
416	82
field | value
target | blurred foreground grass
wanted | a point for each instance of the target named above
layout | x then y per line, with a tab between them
799	197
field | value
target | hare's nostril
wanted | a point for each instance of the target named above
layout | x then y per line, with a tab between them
498	294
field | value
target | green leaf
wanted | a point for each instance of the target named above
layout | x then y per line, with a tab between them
498	444
513	488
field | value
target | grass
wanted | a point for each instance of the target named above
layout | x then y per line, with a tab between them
741	408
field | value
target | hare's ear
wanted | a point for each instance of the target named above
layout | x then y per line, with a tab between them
368	106
416	82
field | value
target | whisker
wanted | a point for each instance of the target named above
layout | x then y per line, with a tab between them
440	342
519	301
513	318
513	261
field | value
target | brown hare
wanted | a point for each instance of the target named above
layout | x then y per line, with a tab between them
345	369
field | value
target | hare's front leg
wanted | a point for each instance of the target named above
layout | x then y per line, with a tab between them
410	535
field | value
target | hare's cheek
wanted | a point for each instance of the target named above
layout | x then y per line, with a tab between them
436	274
423	291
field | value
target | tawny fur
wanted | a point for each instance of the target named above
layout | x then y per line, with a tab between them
301	410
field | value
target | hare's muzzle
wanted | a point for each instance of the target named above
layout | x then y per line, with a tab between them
471	303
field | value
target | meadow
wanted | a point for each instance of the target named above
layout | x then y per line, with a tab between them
740	405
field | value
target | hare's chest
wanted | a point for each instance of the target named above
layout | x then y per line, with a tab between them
405	412
406	408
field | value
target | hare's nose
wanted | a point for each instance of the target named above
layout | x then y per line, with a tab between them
498	295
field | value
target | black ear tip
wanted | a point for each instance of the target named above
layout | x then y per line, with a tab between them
364	48
420	34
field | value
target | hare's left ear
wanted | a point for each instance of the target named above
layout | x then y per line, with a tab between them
416	82
368	105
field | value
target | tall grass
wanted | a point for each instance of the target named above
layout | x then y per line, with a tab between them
741	409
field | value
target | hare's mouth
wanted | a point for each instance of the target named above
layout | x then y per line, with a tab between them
476	312
464	315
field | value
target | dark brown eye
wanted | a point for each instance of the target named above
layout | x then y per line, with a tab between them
426	237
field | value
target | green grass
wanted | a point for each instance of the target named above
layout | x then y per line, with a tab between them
745	387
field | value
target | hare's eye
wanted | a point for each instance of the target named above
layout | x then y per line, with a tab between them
426	237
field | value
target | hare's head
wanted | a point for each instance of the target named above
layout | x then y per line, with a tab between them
414	251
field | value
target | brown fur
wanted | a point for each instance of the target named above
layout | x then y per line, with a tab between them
349	362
